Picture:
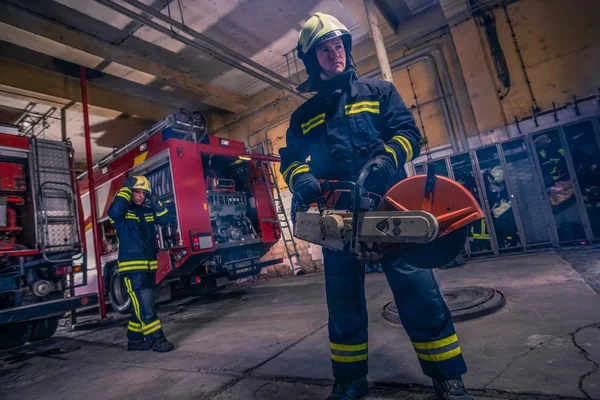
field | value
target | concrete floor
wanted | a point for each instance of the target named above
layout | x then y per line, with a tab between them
269	341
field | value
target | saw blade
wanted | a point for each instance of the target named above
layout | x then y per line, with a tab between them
438	253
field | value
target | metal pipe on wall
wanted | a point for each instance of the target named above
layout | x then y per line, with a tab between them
384	63
441	78
441	64
88	153
199	46
414	58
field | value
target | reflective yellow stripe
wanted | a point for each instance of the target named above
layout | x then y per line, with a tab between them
125	263
134	328
309	128
436	344
300	170
362	109
112	221
312	123
291	170
149	219
288	169
152	324
153	329
137	325
363	106
390	150
134	302
124	192
160	214
348	347
139	265
440	357
405	145
313	119
348	359
131	215
374	104
126	197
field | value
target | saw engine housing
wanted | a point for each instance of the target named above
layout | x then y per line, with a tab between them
424	218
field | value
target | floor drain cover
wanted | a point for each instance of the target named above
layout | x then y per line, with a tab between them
464	303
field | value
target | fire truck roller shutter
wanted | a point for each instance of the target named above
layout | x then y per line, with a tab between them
160	180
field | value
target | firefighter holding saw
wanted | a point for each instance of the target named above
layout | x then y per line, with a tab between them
353	126
135	224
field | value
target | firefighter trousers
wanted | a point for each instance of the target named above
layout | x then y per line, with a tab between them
423	312
143	323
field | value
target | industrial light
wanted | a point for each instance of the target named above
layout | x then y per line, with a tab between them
224	142
143	146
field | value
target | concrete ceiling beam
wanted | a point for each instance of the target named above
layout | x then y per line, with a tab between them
52	101
47	83
356	8
27	30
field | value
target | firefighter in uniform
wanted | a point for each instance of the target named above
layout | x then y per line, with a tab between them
353	125
134	223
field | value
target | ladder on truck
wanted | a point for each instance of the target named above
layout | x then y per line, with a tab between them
286	230
55	202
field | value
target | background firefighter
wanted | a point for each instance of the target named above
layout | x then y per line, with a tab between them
353	125
135	224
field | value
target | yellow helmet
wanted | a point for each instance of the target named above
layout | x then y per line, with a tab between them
142	183
319	28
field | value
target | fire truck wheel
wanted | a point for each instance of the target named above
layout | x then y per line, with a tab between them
44	328
14	335
119	299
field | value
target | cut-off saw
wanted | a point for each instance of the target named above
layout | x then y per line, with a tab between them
423	218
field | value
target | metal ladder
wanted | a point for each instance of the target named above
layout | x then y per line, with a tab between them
56	210
284	223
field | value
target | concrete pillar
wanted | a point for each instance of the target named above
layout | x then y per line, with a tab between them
384	63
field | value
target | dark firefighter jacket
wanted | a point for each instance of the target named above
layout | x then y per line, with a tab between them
136	231
340	133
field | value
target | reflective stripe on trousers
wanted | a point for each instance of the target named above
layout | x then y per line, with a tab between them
144	322
423	311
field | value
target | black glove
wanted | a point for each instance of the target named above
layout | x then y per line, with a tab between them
153	197
379	173
129	182
306	187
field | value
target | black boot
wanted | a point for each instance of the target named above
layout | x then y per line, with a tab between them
349	389
138	345
162	345
450	389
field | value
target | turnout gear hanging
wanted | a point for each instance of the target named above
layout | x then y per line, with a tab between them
135	226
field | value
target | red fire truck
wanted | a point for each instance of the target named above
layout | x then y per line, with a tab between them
41	245
224	221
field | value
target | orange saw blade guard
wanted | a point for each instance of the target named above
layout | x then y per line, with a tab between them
449	202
